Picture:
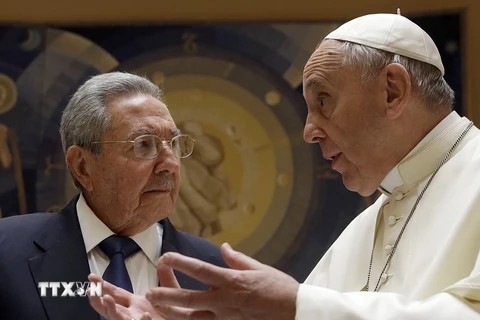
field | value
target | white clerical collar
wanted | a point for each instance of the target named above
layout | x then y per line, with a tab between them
95	231
393	179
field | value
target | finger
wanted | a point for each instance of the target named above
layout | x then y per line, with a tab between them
148	316
97	304
204	272
179	313
93	277
166	276
120	295
239	261
111	310
204	300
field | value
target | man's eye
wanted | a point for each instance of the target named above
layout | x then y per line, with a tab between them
143	144
322	101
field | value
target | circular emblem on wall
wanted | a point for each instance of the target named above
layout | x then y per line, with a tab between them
8	93
251	175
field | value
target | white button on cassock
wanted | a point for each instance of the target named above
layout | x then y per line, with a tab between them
392	220
388	249
398	195
385	277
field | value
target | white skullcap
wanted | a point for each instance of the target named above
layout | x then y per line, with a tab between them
393	33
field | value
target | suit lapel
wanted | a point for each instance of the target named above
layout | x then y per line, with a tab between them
64	260
173	241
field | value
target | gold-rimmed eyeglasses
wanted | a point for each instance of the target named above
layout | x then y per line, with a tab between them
148	146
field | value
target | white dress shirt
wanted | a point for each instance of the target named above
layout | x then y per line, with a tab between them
141	266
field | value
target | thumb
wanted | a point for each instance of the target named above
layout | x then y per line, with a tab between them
239	261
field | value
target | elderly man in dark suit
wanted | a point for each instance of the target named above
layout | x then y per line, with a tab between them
123	151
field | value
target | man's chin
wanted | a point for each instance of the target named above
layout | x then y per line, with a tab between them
363	190
366	193
155	208
143	219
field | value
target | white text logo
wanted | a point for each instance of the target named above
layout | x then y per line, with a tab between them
69	289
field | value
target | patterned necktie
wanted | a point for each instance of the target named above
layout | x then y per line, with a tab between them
118	248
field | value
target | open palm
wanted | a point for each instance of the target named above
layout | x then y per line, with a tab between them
119	304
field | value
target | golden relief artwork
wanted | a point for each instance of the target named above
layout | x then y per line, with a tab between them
9	150
249	164
7	157
8	93
189	44
205	189
228	182
49	166
236	187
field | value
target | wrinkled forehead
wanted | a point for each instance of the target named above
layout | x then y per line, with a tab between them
325	60
137	104
138	112
327	54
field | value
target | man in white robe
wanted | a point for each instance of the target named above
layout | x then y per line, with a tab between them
381	111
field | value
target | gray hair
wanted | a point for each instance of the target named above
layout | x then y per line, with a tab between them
86	118
427	80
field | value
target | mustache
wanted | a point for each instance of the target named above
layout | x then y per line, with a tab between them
161	183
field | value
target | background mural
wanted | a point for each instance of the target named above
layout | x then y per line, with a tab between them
252	180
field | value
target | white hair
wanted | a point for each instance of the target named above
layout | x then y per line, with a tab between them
427	80
86	118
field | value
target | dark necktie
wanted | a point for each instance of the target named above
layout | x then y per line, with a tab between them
118	248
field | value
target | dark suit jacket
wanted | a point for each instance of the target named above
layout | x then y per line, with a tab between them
49	247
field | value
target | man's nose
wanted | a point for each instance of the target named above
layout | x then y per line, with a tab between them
166	161
312	132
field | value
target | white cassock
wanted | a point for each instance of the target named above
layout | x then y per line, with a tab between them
435	271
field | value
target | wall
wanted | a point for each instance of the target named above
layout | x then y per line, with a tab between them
144	11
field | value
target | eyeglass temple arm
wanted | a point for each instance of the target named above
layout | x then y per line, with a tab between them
101	142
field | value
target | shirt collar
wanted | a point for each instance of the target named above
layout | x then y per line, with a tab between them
95	231
393	179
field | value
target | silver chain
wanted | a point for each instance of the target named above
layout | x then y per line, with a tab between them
394	248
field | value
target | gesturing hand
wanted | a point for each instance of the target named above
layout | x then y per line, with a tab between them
250	290
119	304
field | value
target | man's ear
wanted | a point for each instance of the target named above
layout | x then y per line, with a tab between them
81	164
399	89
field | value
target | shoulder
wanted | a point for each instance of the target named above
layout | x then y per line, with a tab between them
368	216
18	235
21	225
194	246
472	144
207	251
22	229
200	243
